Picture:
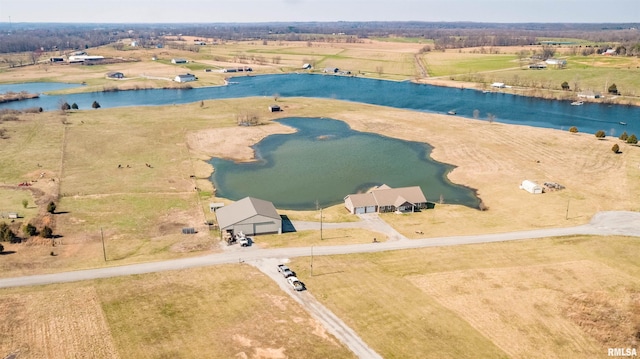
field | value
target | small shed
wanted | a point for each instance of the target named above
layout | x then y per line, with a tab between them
275	108
499	85
178	61
531	187
306	66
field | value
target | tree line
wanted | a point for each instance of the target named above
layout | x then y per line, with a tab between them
64	37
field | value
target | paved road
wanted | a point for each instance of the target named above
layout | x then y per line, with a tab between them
604	223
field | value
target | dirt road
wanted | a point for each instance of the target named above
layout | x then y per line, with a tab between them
329	321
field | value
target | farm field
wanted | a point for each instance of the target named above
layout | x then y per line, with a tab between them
219	312
544	298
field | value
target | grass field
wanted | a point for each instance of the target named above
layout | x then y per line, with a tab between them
218	312
545	298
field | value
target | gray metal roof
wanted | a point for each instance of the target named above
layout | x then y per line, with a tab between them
244	209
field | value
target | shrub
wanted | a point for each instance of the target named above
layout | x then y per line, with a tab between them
65	107
615	148
25	203
565	86
632	139
624	136
46	232
95	105
573	129
6	234
30	230
613	89
51	207
601	134
1	248
74	106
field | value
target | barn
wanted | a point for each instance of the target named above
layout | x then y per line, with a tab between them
250	216
531	187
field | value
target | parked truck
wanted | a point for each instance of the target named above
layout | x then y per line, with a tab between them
295	283
285	271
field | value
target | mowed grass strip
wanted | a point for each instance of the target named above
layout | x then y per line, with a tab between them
462	301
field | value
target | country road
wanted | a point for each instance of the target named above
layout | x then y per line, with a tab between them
604	223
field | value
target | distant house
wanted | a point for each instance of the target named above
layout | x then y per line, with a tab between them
250	216
56	59
115	75
134	43
274	108
185	78
500	85
306	66
84	58
609	52
590	94
556	62
239	69
178	61
386	199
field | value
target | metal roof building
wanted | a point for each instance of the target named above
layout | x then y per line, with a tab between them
250	216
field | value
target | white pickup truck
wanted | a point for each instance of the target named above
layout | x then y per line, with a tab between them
286	272
295	283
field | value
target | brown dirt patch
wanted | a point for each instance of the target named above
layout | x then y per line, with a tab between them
55	324
233	142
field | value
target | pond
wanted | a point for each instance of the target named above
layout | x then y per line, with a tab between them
325	160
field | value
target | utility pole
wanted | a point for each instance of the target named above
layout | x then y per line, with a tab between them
312	261
104	250
320	223
566	216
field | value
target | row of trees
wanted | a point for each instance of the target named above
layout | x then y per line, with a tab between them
35	38
29	230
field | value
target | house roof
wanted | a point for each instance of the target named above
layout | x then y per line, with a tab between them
390	196
362	199
386	196
244	209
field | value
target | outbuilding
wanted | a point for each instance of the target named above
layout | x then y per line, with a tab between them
274	108
250	216
185	78
531	187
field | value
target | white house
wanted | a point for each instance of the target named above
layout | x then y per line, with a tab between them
386	199
499	85
531	187
185	78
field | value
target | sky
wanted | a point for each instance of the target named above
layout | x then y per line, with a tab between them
225	11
